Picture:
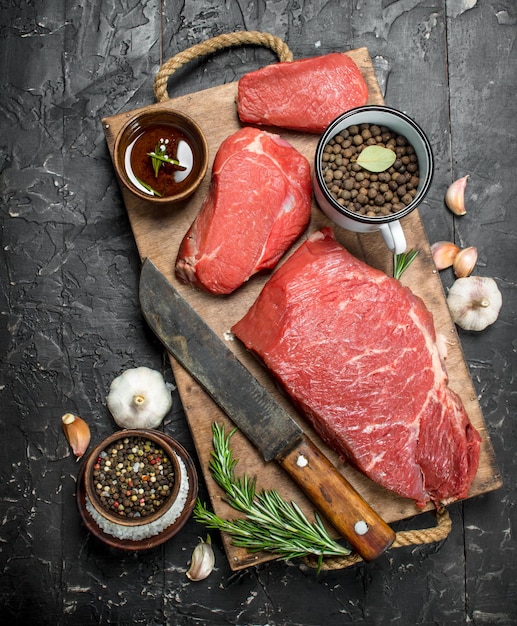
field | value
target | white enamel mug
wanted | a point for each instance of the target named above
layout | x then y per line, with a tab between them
388	225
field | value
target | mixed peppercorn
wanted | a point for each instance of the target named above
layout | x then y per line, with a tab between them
133	477
364	192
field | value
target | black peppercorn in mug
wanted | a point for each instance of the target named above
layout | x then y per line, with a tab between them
373	166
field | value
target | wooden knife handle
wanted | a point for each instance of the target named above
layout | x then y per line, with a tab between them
335	497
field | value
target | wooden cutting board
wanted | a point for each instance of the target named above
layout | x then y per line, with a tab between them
158	234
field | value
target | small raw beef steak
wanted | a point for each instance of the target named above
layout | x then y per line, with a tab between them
357	353
258	204
304	95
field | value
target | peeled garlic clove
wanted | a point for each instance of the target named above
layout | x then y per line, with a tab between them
139	398
455	196
465	261
444	253
474	302
77	433
203	560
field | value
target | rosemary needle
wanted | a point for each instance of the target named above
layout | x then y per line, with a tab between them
270	523
149	188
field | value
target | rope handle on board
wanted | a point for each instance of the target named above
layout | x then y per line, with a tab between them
210	46
402	538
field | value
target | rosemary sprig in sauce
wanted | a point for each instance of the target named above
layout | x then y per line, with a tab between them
159	157
270	523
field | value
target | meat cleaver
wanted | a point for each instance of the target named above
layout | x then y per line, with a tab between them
258	414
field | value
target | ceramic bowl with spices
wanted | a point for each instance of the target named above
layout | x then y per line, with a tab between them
160	156
373	166
137	489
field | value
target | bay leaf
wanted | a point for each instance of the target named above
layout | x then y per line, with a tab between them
376	158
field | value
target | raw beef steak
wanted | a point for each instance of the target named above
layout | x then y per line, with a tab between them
258	204
304	95
357	353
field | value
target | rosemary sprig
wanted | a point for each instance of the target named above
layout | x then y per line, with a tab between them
402	261
165	159
270	523
159	157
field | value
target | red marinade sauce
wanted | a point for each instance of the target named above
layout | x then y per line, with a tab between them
171	179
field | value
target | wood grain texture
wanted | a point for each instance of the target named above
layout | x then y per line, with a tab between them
158	235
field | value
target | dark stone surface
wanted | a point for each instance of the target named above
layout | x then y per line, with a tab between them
70	320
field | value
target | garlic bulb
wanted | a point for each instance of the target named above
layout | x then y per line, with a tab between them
203	560
474	302
455	196
139	398
77	433
444	253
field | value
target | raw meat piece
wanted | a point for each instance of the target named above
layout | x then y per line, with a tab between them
258	204
304	95
357	352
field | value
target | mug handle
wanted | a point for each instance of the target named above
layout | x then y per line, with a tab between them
394	237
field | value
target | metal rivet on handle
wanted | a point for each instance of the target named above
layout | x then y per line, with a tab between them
361	527
302	461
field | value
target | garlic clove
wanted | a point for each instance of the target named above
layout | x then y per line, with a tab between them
139	398
474	302
444	253
455	196
203	560
465	261
77	433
